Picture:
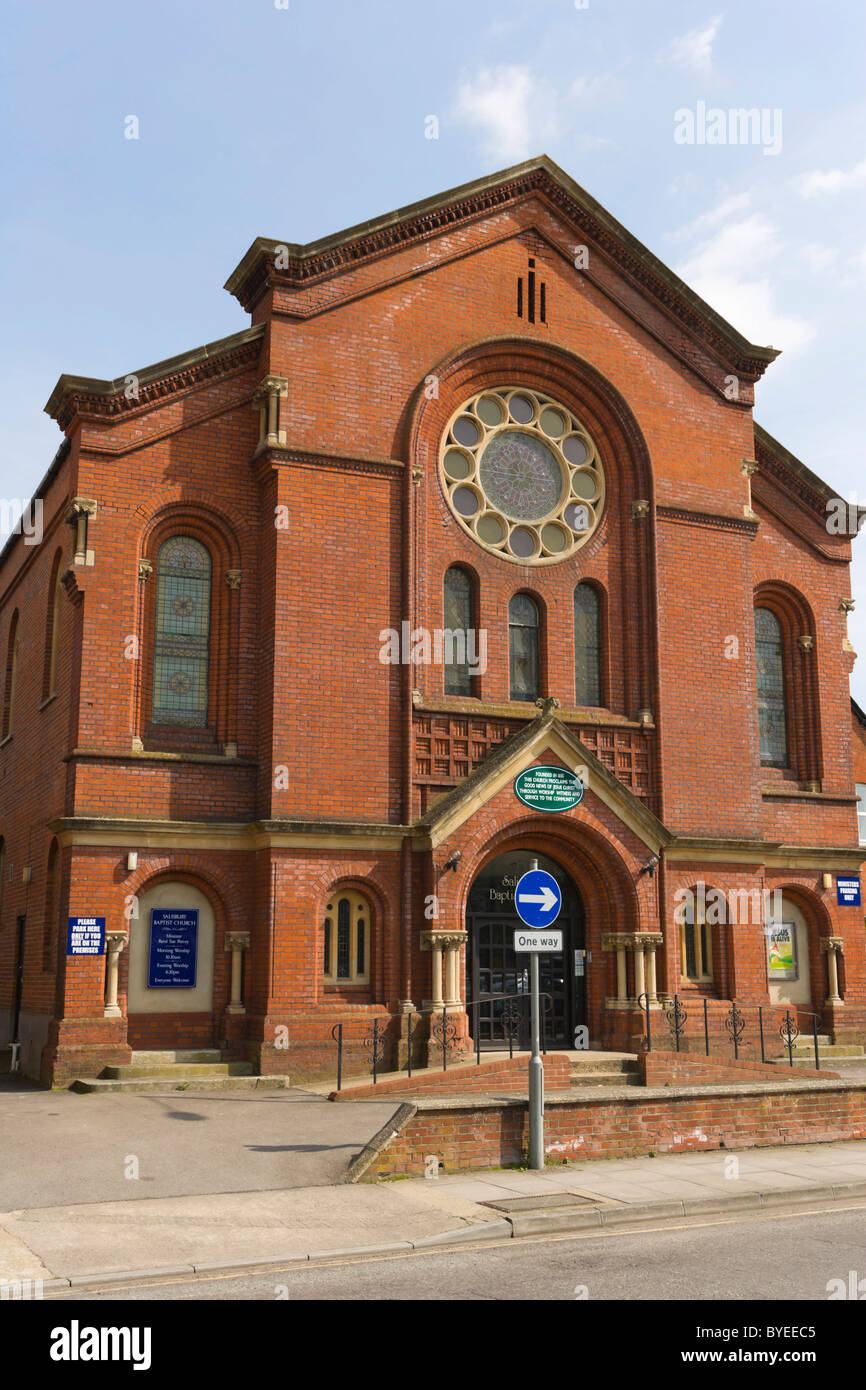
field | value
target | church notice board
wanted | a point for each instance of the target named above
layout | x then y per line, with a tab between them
173	948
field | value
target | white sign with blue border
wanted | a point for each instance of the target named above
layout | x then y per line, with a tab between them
847	891
86	936
537	898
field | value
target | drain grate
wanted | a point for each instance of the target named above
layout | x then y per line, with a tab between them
544	1202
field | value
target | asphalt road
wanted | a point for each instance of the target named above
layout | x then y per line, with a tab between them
773	1258
185	1144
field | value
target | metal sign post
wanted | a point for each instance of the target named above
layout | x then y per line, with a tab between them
537	899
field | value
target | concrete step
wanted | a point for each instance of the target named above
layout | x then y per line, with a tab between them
583	1080
803	1049
169	1070
169	1056
180	1082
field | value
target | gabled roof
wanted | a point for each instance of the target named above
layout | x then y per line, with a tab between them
544	734
95	396
295	265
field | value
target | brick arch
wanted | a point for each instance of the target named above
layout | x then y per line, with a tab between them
186	868
184	502
329	884
214	529
546	367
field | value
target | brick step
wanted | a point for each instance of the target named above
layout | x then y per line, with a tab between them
180	1082
169	1070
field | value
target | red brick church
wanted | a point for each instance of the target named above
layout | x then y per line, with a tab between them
478	490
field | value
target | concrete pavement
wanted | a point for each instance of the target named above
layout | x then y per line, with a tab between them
95	1242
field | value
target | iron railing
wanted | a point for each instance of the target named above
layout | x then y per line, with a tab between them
735	1025
445	1034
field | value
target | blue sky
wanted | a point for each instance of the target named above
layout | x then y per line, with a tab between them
257	119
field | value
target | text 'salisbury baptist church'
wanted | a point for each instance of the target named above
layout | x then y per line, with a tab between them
478	490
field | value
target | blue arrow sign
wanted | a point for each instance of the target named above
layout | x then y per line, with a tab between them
537	898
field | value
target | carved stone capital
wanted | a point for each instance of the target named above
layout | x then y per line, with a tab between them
847	605
115	941
233	579
81	506
749	467
237	940
631	940
145	570
435	940
805	643
831	943
271	386
640	509
546	705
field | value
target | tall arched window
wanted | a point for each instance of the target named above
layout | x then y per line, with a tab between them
772	715
52	631
458	622
346	943
696	958
52	901
11	676
587	646
182	633
523	647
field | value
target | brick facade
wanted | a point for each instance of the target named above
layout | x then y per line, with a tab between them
303	454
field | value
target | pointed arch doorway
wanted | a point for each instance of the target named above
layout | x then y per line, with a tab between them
494	969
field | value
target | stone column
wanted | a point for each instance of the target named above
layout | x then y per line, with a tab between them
114	944
831	946
237	942
80	510
266	401
450	943
651	971
749	468
639	972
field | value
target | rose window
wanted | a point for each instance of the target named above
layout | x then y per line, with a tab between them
522	475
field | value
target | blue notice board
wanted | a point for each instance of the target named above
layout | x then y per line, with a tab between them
173	948
847	891
86	936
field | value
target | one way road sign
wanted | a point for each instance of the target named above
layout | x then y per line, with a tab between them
537	898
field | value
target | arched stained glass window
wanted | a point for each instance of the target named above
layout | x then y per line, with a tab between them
346	939
458	622
770	659
182	636
587	646
523	628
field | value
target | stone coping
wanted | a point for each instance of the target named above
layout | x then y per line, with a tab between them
635	1095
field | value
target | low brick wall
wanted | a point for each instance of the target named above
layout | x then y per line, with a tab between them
467	1079
684	1068
468	1133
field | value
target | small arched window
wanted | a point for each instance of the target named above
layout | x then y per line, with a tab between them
346	942
772	713
11	677
696	961
182	633
587	646
523	648
52	902
52	631
458	626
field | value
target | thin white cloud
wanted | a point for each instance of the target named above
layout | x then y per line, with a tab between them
594	90
833	181
818	257
730	271
694	50
508	109
737	202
